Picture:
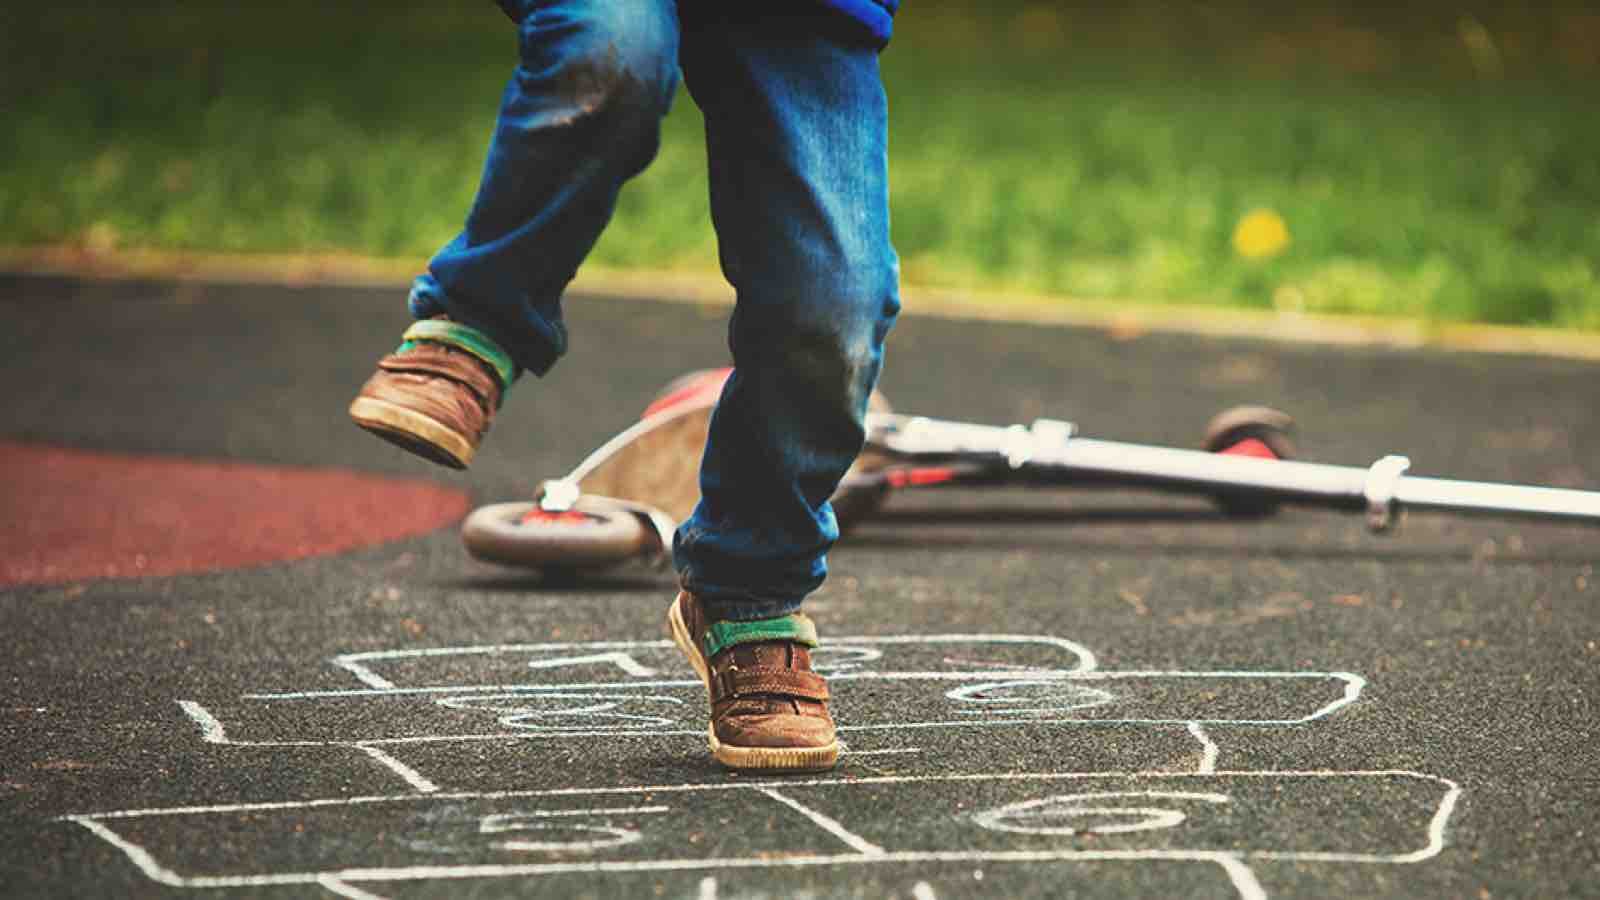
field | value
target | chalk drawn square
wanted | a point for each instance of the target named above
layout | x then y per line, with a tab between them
1264	814
1225	818
609	663
642	688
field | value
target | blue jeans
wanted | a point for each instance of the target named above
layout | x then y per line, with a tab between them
796	142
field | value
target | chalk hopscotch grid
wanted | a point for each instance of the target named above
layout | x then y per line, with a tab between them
1234	863
1085	668
356	663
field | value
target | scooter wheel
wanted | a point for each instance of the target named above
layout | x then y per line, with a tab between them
591	535
1255	431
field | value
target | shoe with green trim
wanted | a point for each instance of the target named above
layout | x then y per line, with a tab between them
769	710
437	394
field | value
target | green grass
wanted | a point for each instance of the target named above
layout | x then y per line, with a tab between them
1445	171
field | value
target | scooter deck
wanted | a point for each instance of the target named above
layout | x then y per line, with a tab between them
655	463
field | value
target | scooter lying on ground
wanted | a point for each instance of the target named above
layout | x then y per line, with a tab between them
624	500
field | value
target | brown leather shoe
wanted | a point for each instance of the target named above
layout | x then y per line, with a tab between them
769	711
432	399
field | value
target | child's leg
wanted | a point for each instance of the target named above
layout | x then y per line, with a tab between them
580	115
795	127
796	132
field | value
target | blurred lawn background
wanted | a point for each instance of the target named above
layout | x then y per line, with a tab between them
1435	161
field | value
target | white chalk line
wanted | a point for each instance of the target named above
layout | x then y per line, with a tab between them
830	825
559	733
140	857
355	662
1244	880
1008	674
621	660
1238	872
598	811
837	781
1046	720
1353	683
364	675
212	730
409	775
344	889
338	882
1005	818
886	752
1208	749
1436	838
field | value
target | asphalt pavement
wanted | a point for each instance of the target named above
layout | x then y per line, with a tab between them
1044	693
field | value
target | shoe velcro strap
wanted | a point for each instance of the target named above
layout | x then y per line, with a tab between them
771	680
464	337
438	360
796	627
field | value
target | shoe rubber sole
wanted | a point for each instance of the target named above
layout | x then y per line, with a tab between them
413	431
747	759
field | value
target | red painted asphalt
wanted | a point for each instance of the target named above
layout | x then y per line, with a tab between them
71	515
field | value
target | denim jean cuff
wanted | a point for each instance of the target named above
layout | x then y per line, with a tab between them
736	607
536	353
